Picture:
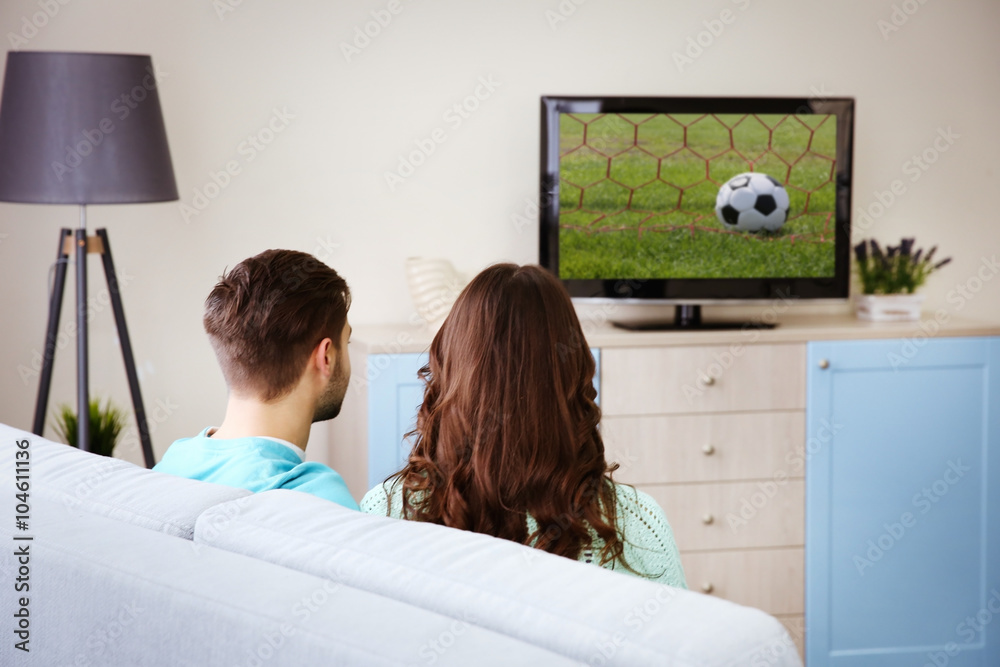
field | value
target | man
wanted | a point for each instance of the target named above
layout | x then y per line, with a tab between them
278	325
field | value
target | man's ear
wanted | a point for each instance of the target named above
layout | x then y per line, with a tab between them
324	357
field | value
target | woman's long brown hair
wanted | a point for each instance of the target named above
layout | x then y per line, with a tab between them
509	427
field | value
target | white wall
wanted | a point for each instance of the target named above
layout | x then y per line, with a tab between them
320	187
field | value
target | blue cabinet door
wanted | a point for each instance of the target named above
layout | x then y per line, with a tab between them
394	396
903	503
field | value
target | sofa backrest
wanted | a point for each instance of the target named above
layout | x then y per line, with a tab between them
106	592
111	487
577	610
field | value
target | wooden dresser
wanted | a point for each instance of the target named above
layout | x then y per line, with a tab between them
713	446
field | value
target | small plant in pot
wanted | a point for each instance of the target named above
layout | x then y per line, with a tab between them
106	424
890	278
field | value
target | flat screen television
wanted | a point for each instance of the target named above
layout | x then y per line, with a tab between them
696	200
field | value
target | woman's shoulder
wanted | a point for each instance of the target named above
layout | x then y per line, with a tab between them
639	505
383	499
649	541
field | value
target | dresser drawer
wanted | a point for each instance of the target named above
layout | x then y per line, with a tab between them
768	579
723	378
705	448
734	515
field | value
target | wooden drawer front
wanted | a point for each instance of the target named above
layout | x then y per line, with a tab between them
705	448
734	515
672	380
768	579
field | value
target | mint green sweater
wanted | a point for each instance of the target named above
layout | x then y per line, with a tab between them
649	549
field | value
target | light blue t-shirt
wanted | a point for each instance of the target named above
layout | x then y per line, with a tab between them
255	464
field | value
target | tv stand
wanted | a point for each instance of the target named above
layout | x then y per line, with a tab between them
688	318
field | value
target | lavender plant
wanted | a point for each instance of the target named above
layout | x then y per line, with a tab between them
897	269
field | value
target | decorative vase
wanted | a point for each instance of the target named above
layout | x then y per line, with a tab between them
434	286
888	307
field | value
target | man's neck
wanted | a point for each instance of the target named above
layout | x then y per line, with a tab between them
247	417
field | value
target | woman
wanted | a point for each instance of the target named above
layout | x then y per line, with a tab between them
507	440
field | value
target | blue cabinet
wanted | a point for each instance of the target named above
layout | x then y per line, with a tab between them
394	396
903	503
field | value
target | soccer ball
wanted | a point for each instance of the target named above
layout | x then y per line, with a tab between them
751	202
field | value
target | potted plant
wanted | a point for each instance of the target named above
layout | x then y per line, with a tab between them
106	424
890	278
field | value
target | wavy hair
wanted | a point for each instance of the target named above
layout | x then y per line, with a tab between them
509	427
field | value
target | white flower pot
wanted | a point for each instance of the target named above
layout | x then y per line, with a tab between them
888	307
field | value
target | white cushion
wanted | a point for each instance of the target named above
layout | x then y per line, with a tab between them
577	610
112	487
104	592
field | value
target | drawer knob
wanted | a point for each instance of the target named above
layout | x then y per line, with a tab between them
708	380
708	450
707	587
708	519
824	363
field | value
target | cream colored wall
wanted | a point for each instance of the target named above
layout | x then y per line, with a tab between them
319	186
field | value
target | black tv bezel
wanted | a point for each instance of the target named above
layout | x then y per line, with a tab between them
697	290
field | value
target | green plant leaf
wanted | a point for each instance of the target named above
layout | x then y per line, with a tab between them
106	425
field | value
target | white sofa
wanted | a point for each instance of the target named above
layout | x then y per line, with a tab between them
131	567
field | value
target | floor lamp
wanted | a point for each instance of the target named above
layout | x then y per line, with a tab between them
83	128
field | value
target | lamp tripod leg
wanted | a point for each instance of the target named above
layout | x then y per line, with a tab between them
82	365
51	333
126	344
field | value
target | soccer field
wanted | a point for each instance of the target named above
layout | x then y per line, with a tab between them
637	195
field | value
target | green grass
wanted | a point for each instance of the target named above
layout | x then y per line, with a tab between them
622	175
625	255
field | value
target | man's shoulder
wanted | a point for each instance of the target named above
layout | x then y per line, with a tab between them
236	451
198	437
253	443
253	463
320	480
181	448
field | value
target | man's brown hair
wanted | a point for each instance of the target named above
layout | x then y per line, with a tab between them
266	315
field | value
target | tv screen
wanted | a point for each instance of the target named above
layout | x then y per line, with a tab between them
696	200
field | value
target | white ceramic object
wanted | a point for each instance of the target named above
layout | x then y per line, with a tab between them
434	286
888	307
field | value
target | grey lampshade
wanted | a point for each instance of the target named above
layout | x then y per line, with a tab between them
82	128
